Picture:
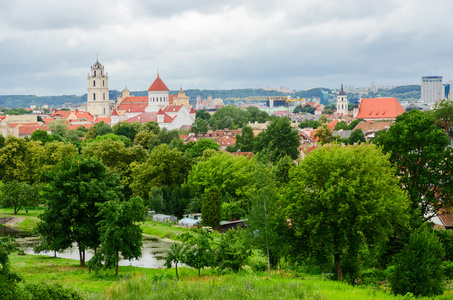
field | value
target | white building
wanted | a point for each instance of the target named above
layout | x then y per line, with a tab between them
98	91
342	102
432	89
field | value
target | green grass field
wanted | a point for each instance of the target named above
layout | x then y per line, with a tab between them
30	214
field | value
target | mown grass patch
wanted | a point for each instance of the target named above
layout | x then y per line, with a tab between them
29	214
163	230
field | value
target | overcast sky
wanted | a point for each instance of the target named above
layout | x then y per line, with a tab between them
47	47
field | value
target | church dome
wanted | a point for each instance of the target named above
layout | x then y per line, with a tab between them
158	85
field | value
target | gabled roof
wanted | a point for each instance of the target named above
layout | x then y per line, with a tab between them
192	111
29	129
332	124
105	120
134	108
144	117
158	85
114	113
373	126
172	108
135	99
379	108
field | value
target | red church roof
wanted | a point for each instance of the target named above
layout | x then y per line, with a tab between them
379	108
172	108
158	85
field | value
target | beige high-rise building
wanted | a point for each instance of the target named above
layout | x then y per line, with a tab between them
98	91
432	89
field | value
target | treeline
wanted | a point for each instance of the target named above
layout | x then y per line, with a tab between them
25	101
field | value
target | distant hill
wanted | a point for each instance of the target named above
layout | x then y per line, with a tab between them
402	93
17	101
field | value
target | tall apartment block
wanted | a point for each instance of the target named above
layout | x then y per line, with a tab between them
432	89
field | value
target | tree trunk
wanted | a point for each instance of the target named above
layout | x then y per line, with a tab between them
268	259
16	209
338	266
82	258
177	277
117	262
54	253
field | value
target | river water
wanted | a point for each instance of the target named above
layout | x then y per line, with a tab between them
153	250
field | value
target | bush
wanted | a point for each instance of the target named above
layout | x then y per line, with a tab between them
448	269
418	268
232	211
51	291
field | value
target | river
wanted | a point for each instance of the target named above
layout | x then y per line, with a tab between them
153	250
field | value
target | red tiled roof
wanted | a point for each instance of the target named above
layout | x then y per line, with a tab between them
2	117
373	126
133	108
170	99
25	129
332	124
172	108
105	120
47	120
160	112
192	111
22	124
114	113
137	99
144	117
225	141
168	119
379	108
158	85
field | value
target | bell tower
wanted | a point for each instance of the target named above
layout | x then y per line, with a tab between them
342	102
98	91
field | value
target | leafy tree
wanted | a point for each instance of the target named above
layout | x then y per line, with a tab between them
418	268
246	139
202	114
102	128
58	126
353	124
126	129
110	136
231	174
325	134
2	141
200	126
175	255
356	137
306	109
232	211
8	278
231	148
229	116
199	253
202	144
13	163
234	249
257	115
18	194
74	136
143	138
340	198
150	127
443	113
282	170
279	139
417	148
263	217
309	124
41	135
322	119
72	191
120	235
163	167
341	125
211	207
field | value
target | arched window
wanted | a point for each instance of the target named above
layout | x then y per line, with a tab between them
95	73
94	82
94	96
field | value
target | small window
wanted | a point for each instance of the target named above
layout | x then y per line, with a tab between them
94	82
94	96
103	83
95	73
103	96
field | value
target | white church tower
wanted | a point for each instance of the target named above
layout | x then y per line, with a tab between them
342	102
157	95
98	91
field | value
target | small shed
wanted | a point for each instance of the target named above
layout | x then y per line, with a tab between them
164	218
234	224
195	216
188	222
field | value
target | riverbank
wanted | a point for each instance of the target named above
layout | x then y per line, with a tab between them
26	218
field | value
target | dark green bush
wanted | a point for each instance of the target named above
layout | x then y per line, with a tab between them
418	268
43	290
448	269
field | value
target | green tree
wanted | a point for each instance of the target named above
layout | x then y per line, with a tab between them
232	211
229	116
324	134
202	114
163	167
340	198
443	113
246	139
200	126
126	129
211	207
417	148
263	214
418	268
257	115
72	191
8	278
13	163
175	255
202	144
41	135
323	119
356	137
143	138
309	124
234	249
120	235
279	139
58	126
199	253
18	194
102	128
150	127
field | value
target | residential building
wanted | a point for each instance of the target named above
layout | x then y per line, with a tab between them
432	89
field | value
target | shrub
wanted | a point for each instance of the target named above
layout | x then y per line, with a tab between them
51	291
232	211
448	269
418	268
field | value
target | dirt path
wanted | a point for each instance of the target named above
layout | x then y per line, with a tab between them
15	221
